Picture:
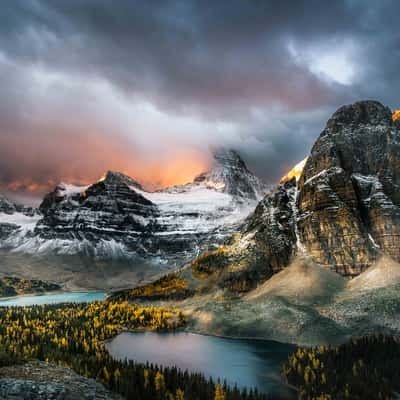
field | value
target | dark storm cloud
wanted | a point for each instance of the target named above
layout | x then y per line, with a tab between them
268	72
184	54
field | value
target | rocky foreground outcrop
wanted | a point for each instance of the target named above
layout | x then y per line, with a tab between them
41	381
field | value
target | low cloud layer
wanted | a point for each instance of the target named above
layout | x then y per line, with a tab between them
148	87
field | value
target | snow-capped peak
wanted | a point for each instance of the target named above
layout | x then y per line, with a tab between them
6	206
230	174
113	177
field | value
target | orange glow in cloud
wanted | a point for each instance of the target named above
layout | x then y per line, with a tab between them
181	170
83	159
396	115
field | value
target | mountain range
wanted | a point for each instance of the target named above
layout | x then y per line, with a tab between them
244	250
318	259
116	218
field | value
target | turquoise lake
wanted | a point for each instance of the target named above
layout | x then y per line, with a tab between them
77	297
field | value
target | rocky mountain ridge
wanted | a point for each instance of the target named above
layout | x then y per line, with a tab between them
117	218
342	209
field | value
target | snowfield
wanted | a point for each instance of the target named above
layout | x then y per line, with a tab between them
23	222
197	209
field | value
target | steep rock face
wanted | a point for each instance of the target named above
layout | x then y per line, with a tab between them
341	206
349	191
264	246
272	226
110	205
97	220
15	218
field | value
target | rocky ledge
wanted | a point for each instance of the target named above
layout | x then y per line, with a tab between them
42	381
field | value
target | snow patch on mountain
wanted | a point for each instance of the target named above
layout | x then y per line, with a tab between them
22	221
68	190
197	209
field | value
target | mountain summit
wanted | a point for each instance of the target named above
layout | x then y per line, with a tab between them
231	175
349	192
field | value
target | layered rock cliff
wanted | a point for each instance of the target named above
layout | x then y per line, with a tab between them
349	191
340	207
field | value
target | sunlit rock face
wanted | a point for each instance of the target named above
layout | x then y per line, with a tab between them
396	117
295	172
349	191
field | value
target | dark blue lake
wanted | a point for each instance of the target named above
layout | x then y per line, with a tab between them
246	363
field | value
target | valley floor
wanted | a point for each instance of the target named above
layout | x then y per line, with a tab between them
79	273
304	304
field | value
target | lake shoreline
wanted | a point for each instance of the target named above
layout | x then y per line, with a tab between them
186	330
254	339
49	293
252	364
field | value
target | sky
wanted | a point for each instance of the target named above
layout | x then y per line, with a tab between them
149	87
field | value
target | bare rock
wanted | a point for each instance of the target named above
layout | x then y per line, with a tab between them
42	381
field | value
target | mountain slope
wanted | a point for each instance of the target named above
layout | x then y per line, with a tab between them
342	211
288	274
116	218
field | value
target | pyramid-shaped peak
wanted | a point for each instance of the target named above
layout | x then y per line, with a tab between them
230	174
228	157
114	177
